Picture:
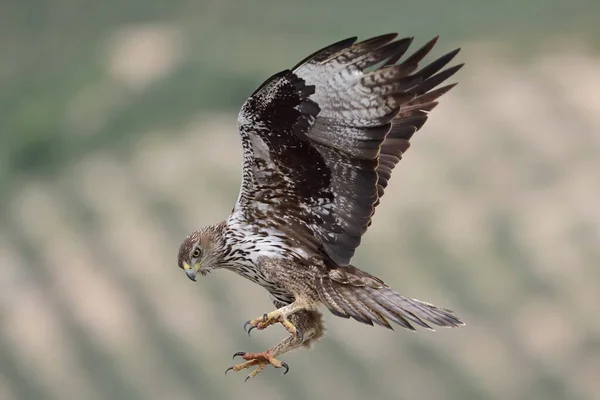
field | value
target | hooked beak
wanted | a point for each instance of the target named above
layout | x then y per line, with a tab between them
191	271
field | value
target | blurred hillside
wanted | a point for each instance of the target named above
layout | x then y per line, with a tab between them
118	137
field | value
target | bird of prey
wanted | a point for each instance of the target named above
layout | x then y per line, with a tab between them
320	141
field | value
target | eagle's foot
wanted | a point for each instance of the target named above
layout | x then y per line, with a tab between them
272	318
259	360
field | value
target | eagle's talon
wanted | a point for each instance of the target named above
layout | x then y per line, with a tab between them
285	366
253	325
258	360
299	336
272	318
239	354
252	374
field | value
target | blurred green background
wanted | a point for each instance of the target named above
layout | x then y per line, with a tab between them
118	137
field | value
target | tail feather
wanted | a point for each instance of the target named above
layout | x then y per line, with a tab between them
351	293
368	315
371	302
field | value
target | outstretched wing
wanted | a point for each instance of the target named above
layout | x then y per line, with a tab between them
321	140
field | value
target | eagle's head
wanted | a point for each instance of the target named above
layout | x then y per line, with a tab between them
201	251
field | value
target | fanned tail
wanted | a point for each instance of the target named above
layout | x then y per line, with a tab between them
350	292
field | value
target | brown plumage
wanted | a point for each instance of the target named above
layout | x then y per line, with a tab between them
320	143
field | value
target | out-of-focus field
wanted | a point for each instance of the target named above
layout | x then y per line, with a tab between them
118	137
493	212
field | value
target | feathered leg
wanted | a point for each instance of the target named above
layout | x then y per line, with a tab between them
310	322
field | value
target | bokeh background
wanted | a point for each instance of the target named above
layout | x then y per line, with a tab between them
118	137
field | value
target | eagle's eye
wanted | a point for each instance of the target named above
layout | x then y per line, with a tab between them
197	252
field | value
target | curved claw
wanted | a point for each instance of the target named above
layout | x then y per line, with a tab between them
239	354
228	369
249	322
283	365
300	335
248	377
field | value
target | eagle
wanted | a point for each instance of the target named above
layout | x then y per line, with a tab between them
320	141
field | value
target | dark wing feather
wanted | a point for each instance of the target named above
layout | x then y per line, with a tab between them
321	141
